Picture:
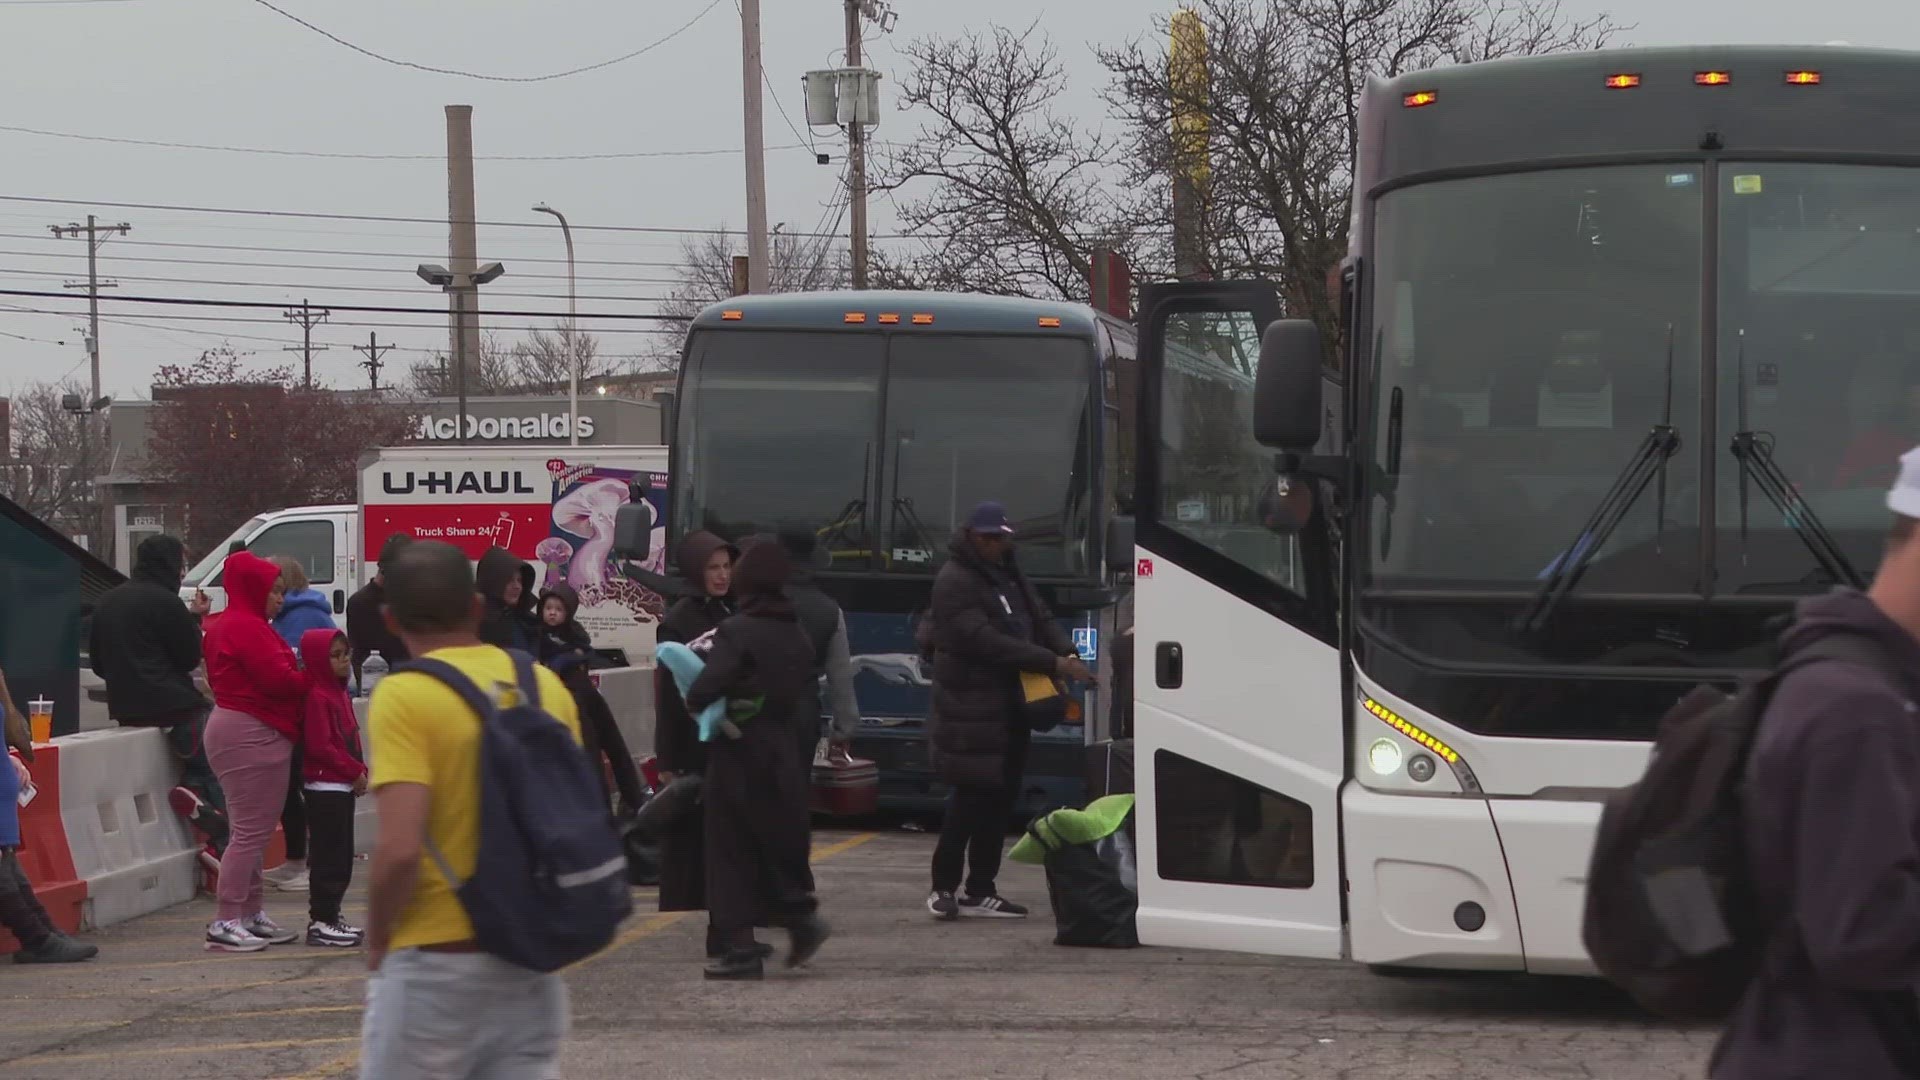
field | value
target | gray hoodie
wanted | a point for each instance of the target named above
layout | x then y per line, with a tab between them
1833	835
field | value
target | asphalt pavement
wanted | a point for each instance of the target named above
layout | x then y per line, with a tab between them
893	994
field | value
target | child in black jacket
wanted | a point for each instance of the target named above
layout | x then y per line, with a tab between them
566	648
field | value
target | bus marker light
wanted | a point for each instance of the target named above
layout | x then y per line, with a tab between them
923	320
889	319
1803	78
1712	78
1420	99
732	316
1405	727
1384	756
1050	320
856	316
1623	82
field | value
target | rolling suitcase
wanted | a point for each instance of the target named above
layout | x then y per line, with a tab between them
845	786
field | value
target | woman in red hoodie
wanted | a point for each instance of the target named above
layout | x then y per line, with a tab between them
333	772
258	695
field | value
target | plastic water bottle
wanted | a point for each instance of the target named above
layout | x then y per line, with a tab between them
372	670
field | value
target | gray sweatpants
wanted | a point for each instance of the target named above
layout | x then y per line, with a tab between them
461	1016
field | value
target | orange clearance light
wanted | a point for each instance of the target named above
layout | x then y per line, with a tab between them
856	316
889	319
1420	98
731	316
1049	320
923	320
1622	82
1712	78
1803	78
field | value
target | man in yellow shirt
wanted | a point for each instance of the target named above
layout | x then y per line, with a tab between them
437	1007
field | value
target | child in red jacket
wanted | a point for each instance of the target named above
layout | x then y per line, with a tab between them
333	772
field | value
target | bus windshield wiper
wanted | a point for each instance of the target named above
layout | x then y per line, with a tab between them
1649	459
1754	451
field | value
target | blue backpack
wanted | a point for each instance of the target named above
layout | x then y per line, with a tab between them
550	885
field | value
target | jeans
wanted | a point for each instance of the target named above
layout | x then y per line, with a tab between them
975	828
251	761
330	852
461	1016
20	912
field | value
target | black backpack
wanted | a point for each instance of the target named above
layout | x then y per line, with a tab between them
1671	916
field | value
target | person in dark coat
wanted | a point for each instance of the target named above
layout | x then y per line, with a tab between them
565	647
507	622
367	630
755	800
986	626
706	564
1832	827
145	644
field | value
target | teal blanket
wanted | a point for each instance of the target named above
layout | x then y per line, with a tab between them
719	717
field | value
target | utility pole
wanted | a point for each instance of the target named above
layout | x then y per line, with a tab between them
96	235
308	318
462	253
857	158
373	351
751	82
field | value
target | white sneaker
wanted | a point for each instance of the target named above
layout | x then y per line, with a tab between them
288	877
337	934
228	935
267	930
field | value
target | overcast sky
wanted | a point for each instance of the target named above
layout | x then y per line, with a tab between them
234	73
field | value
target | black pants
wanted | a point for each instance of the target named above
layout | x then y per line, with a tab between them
329	816
293	816
976	824
20	911
756	833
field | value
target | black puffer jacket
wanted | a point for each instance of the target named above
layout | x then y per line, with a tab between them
676	739
985	627
507	627
145	643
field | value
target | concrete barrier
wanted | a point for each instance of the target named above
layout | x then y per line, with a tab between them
43	848
134	853
629	693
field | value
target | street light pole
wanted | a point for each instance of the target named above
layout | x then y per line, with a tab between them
573	330
464	288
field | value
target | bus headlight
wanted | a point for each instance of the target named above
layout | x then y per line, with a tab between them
1384	756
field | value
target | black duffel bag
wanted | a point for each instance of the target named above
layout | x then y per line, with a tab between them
1092	904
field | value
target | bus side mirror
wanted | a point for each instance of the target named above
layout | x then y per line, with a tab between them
1120	543
1286	389
633	532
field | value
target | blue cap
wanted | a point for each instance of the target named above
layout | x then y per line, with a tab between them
989	519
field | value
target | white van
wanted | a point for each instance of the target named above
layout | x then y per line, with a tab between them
326	540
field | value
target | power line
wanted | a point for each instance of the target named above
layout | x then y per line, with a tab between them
344	156
367	309
518	259
242	263
642	51
28	272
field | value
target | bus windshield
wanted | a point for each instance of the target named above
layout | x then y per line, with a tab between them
784	430
1527	328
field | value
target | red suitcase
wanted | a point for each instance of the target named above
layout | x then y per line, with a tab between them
845	786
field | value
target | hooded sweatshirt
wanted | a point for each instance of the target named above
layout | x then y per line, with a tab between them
308	609
248	666
676	737
145	643
330	734
502	626
568	645
1833	838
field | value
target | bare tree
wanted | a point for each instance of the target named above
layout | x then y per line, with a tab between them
1016	195
797	264
56	457
493	371
543	362
1280	103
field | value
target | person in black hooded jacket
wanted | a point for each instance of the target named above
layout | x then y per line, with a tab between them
706	565
565	647
146	644
508	621
755	797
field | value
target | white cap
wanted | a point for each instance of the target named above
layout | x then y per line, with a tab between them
1904	498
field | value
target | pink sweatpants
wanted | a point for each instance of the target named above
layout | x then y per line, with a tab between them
253	762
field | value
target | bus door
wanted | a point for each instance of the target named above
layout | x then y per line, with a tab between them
1238	719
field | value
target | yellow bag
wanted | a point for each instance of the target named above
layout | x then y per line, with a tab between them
1045	702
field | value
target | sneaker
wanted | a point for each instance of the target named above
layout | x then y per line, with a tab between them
943	906
210	861
267	930
230	936
288	877
337	934
57	949
188	804
991	907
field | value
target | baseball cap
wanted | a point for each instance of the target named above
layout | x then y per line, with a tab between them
1904	497
990	519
